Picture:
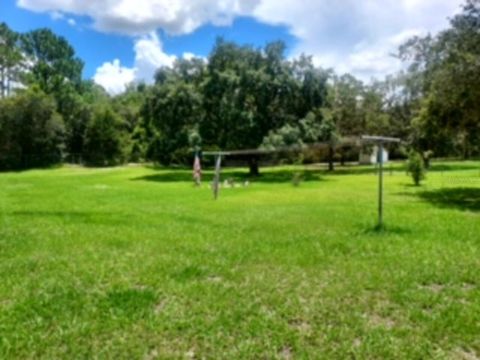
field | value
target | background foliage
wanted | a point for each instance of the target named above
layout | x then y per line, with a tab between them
241	97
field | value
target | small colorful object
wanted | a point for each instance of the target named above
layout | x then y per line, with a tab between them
197	170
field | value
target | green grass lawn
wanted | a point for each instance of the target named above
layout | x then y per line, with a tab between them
136	263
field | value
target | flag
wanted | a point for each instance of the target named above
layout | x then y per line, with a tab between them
197	170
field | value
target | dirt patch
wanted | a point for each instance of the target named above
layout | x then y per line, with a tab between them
468	287
160	307
301	326
286	353
434	288
357	343
152	355
376	320
214	279
464	354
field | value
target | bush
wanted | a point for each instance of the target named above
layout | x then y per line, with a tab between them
415	167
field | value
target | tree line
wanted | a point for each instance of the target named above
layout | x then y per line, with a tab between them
240	98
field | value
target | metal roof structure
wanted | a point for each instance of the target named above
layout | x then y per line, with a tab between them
351	141
380	141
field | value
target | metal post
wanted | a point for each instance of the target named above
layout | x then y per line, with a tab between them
380	185
216	179
380	141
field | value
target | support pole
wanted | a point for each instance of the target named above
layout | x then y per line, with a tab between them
380	141
216	179
380	185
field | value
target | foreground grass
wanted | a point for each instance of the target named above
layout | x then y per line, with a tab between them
136	263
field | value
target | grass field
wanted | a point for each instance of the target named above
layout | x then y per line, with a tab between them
136	263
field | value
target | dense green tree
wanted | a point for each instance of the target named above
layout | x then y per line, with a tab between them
249	92
328	132
76	114
11	60
311	89
307	131
241	98
31	131
374	117
448	80
400	105
57	71
53	60
172	110
104	139
128	106
345	100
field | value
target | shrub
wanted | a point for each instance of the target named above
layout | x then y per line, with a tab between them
297	178
415	167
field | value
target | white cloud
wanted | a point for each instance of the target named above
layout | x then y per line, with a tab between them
114	77
349	35
188	55
356	36
56	15
370	59
143	16
149	57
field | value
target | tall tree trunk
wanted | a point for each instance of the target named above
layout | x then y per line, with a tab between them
8	84
426	162
2	82
331	153
466	149
465	146
253	165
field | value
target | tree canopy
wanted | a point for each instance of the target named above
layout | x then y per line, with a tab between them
240	97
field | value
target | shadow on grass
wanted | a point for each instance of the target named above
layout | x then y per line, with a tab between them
396	166
350	169
191	272
128	302
438	167
312	172
272	176
81	217
458	198
386	229
20	170
399	166
110	219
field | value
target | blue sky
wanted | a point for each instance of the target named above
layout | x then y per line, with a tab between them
124	40
96	48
